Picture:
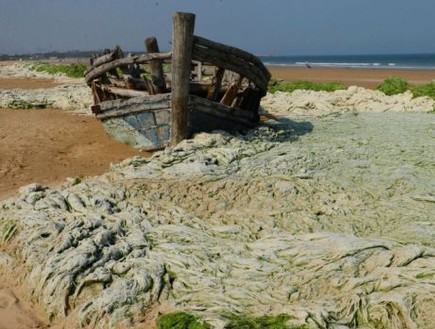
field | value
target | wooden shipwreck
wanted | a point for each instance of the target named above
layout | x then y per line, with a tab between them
155	99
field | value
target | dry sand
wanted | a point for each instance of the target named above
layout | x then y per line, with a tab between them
367	78
27	83
49	145
16	312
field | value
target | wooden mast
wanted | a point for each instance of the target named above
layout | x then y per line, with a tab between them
182	44
156	67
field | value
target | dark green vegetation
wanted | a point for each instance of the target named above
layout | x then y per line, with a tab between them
263	322
70	70
181	320
52	54
390	86
22	104
275	85
395	85
424	90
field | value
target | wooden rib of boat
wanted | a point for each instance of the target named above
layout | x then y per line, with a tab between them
155	99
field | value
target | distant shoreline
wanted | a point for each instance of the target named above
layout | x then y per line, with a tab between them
380	67
363	77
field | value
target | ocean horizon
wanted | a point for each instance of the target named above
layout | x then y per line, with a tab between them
393	61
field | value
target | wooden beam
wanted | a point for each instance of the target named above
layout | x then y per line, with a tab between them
119	108
232	63
182	43
132	102
246	118
100	70
242	54
229	96
123	92
114	54
156	67
97	94
216	84
250	100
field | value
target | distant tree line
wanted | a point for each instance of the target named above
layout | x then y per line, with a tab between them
55	54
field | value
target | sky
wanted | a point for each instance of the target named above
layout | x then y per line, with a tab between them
263	27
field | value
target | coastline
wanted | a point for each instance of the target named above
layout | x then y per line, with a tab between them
363	77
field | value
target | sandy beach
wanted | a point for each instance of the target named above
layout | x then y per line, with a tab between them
363	77
287	218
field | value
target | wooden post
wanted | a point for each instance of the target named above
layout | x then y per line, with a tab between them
157	75
216	84
182	44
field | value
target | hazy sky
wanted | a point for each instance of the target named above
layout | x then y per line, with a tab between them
275	27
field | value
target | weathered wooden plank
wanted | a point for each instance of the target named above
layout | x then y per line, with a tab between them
149	86
122	107
216	84
231	63
229	96
135	83
114	54
182	41
246	118
133	110
156	67
104	68
250	100
96	92
117	83
118	103
233	51
123	92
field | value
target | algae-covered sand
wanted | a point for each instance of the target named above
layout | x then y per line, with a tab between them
324	214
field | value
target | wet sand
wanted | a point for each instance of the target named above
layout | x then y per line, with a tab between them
368	78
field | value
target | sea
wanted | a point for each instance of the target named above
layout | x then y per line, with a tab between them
408	61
